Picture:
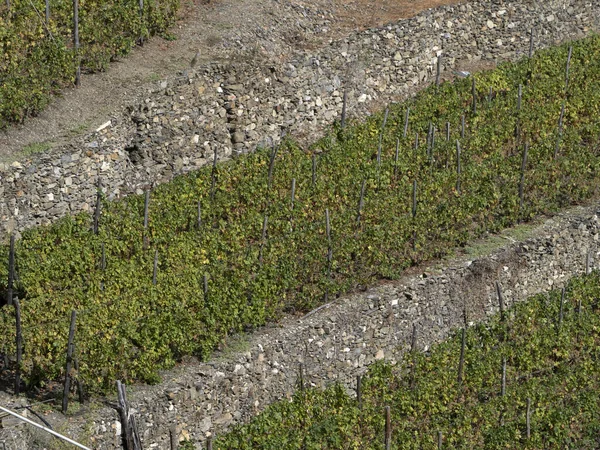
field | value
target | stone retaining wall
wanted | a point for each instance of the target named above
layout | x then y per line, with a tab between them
233	108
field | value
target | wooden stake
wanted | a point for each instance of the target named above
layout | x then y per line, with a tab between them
396	157
438	70
588	268
344	101
47	13
293	192
531	43
213	181
98	206
19	343
385	117
103	259
11	271
567	68
173	436
414	199
70	347
388	429
359	391
76	41
131	438
500	300
209	443
461	362
314	169
406	122
440	437
146	208
458	166
473	94
462	126
301	378
503	388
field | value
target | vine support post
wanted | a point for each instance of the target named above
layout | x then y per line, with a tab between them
47	12
11	270
271	167
141	8
438	71
406	116
199	215
97	210
561	310
76	41
458	166
440	438
70	348
588	262
500	301
385	117
263	239
19	343
414	215
462	126
359	391
329	249
344	103
473	94
396	157
567	68
146	220
388	429
209	443
213	178
461	362
314	170
531	43
205	288
503	387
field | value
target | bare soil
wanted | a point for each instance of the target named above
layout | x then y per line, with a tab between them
220	30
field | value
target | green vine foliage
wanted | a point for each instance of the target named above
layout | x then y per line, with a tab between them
128	327
551	362
37	58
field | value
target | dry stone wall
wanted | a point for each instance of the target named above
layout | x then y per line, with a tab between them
231	109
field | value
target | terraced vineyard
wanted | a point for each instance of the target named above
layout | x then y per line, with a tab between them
230	247
528	379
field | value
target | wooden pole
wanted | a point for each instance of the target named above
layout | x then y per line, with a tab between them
500	300
76	41
567	68
98	206
385	117
80	391
47	13
131	439
462	126
406	122
70	347
209	443
388	429
173	436
473	94
458	166
344	102
213	180
561	311
396	157
141	8
19	343
438	70
146	219
11	271
440	438
503	388
329	249
359	391
205	279
461	362
314	170
531	43
588	269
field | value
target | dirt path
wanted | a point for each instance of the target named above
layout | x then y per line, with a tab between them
222	30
